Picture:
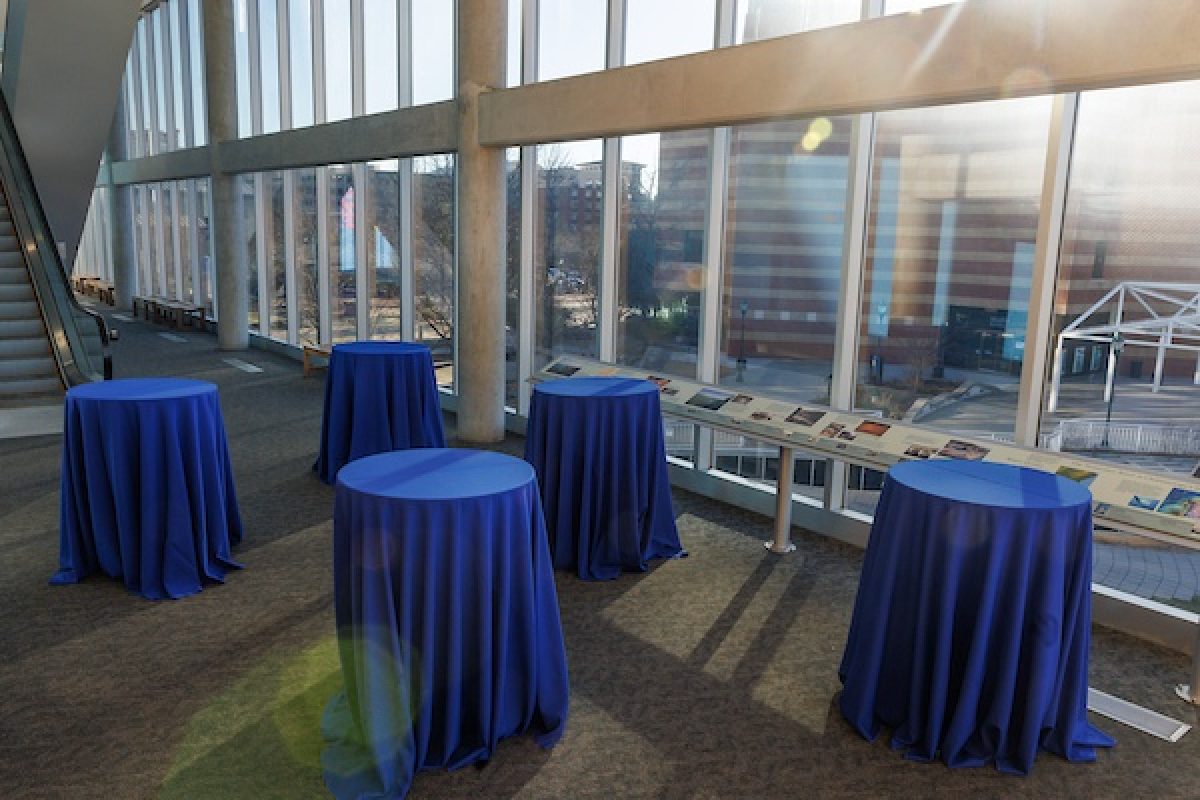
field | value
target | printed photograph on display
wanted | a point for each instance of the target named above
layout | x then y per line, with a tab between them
873	428
833	429
804	417
660	382
957	448
743	399
1181	503
1143	502
915	450
761	416
669	391
566	370
1076	474
847	435
710	399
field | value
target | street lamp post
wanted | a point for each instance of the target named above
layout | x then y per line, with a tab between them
741	359
1117	345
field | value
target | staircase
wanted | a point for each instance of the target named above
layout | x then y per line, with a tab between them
28	373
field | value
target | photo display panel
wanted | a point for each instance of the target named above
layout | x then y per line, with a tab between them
1123	496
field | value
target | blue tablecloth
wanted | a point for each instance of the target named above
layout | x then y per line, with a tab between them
447	617
973	618
597	446
379	396
147	491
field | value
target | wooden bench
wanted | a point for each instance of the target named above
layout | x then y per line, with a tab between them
312	352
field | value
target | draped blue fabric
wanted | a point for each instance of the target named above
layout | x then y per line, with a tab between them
379	396
597	446
972	622
447	618
147	491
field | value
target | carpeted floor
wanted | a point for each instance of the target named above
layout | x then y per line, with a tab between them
710	677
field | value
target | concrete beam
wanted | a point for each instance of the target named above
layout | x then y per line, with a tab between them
972	51
195	162
416	131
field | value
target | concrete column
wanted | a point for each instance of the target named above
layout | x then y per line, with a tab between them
120	214
232	293
480	318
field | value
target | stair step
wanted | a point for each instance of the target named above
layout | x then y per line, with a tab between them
27	368
20	309
14	292
8	241
25	347
22	329
11	258
6	228
32	386
11	275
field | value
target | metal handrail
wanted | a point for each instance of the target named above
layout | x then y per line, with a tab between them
59	305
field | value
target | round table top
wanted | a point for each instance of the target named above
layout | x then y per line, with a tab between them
435	473
599	386
380	348
985	484
141	389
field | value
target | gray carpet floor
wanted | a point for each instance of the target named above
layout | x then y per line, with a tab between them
709	677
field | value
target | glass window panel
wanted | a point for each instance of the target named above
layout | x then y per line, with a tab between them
432	52
513	67
149	146
162	79
204	243
955	203
174	10
268	52
383	248
183	209
248	249
571	37
433	216
663	28
381	72
340	227
766	19
1132	217
300	52
128	86
304	211
196	54
339	92
164	254
783	254
273	238
241	66
566	252
512	278
661	263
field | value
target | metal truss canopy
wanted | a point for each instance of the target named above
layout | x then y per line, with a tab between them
1163	316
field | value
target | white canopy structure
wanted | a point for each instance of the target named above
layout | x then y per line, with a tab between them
1164	316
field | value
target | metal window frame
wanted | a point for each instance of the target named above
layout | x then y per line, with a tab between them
404	176
526	318
606	324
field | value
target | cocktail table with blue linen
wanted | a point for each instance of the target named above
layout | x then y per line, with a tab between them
597	446
973	618
147	492
447	617
379	396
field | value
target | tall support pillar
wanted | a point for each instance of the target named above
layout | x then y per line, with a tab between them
120	214
481	280
232	293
